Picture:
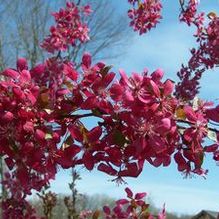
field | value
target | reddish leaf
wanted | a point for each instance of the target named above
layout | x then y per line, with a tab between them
89	103
213	114
10	163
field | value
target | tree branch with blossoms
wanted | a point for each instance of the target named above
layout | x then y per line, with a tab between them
142	119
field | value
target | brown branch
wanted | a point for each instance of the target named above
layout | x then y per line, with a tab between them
75	117
79	2
192	124
182	2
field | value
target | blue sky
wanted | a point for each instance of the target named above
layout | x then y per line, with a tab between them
165	47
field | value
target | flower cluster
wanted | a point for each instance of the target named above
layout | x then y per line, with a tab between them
189	84
69	28
134	207
189	14
31	102
15	205
191	151
144	15
23	133
206	56
210	43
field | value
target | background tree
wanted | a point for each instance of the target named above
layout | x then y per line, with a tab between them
23	30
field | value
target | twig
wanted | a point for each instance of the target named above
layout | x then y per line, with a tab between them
192	124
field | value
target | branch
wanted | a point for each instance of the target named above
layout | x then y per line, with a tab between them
79	2
182	2
192	124
75	117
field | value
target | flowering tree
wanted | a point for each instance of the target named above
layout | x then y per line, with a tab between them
141	117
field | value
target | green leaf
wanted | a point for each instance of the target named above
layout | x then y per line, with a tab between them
48	136
105	70
212	135
119	138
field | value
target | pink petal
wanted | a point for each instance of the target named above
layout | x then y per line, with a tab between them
107	169
168	88
95	134
40	135
155	88
75	133
106	210
157	75
211	148
88	160
165	125
25	76
38	70
129	192
122	202
116	92
7	116
10	73
28	127
124	79
190	114
22	64
86	61
70	72
108	79
139	196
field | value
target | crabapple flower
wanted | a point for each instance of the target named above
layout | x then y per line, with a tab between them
68	29
144	15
